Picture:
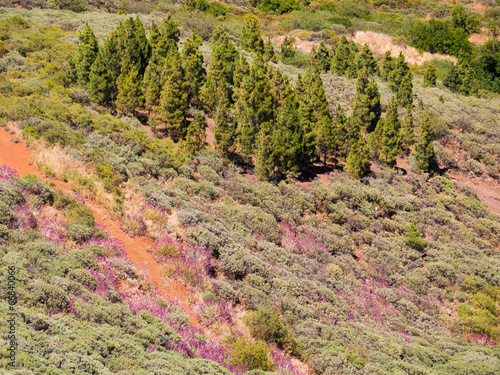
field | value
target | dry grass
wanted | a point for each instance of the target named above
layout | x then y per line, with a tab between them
380	43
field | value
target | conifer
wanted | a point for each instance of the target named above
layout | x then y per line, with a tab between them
340	134
280	87
387	65
323	56
264	163
287	48
242	69
174	105
366	60
430	76
398	73
468	85
269	53
251	39
358	159
389	137
224	131
154	35
366	102
170	35
325	140
342	59
254	106
425	155
196	133
85	55
452	79
405	91
407	133
192	62
100	80
314	95
129	89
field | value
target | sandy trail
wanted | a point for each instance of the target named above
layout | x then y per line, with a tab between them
18	156
490	195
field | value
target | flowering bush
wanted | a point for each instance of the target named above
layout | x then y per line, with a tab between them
212	311
133	225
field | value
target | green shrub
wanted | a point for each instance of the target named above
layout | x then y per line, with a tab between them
265	324
84	277
414	240
254	355
80	232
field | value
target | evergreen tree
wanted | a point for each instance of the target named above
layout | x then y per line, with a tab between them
85	55
242	70
129	89
366	102
224	131
192	62
405	91
342	60
425	155
269	54
134	45
254	106
264	161
314	95
452	79
358	159
398	73
154	35
100	80
325	140
251	39
468	85
390	132
174	105
112	58
414	240
220	71
218	36
170	35
280	87
323	56
287	48
196	133
289	151
387	65
340	146
152	81
307	129
407	133
430	76
366	60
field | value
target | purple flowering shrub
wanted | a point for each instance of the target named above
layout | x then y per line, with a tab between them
212	311
133	225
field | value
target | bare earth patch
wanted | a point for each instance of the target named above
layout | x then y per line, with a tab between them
380	43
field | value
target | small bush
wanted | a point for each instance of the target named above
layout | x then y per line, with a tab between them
253	355
80	233
414	240
133	225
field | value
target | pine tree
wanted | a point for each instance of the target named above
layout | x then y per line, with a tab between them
289	151
414	240
196	133
342	60
398	73
358	159
269	53
154	35
405	91
152	81
325	140
287	48
224	131
407	133
174	105
468	79
129	89
254	106
112	58
85	55
425	155
280	87
390	132
242	70
307	129
133	44
264	163
100	80
430	76
170	35
220	71
251	39
324	57
366	60
314	95
340	134
387	65
192	62
452	79
366	102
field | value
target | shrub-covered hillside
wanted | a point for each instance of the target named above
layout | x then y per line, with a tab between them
191	129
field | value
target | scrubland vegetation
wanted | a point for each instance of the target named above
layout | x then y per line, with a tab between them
372	270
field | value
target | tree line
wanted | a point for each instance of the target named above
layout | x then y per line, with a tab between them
261	119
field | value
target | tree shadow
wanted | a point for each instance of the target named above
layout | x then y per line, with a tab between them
315	171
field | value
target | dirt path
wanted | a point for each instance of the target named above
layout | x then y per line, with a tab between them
17	156
490	195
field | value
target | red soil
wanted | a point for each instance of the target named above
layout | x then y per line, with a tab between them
17	156
488	194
